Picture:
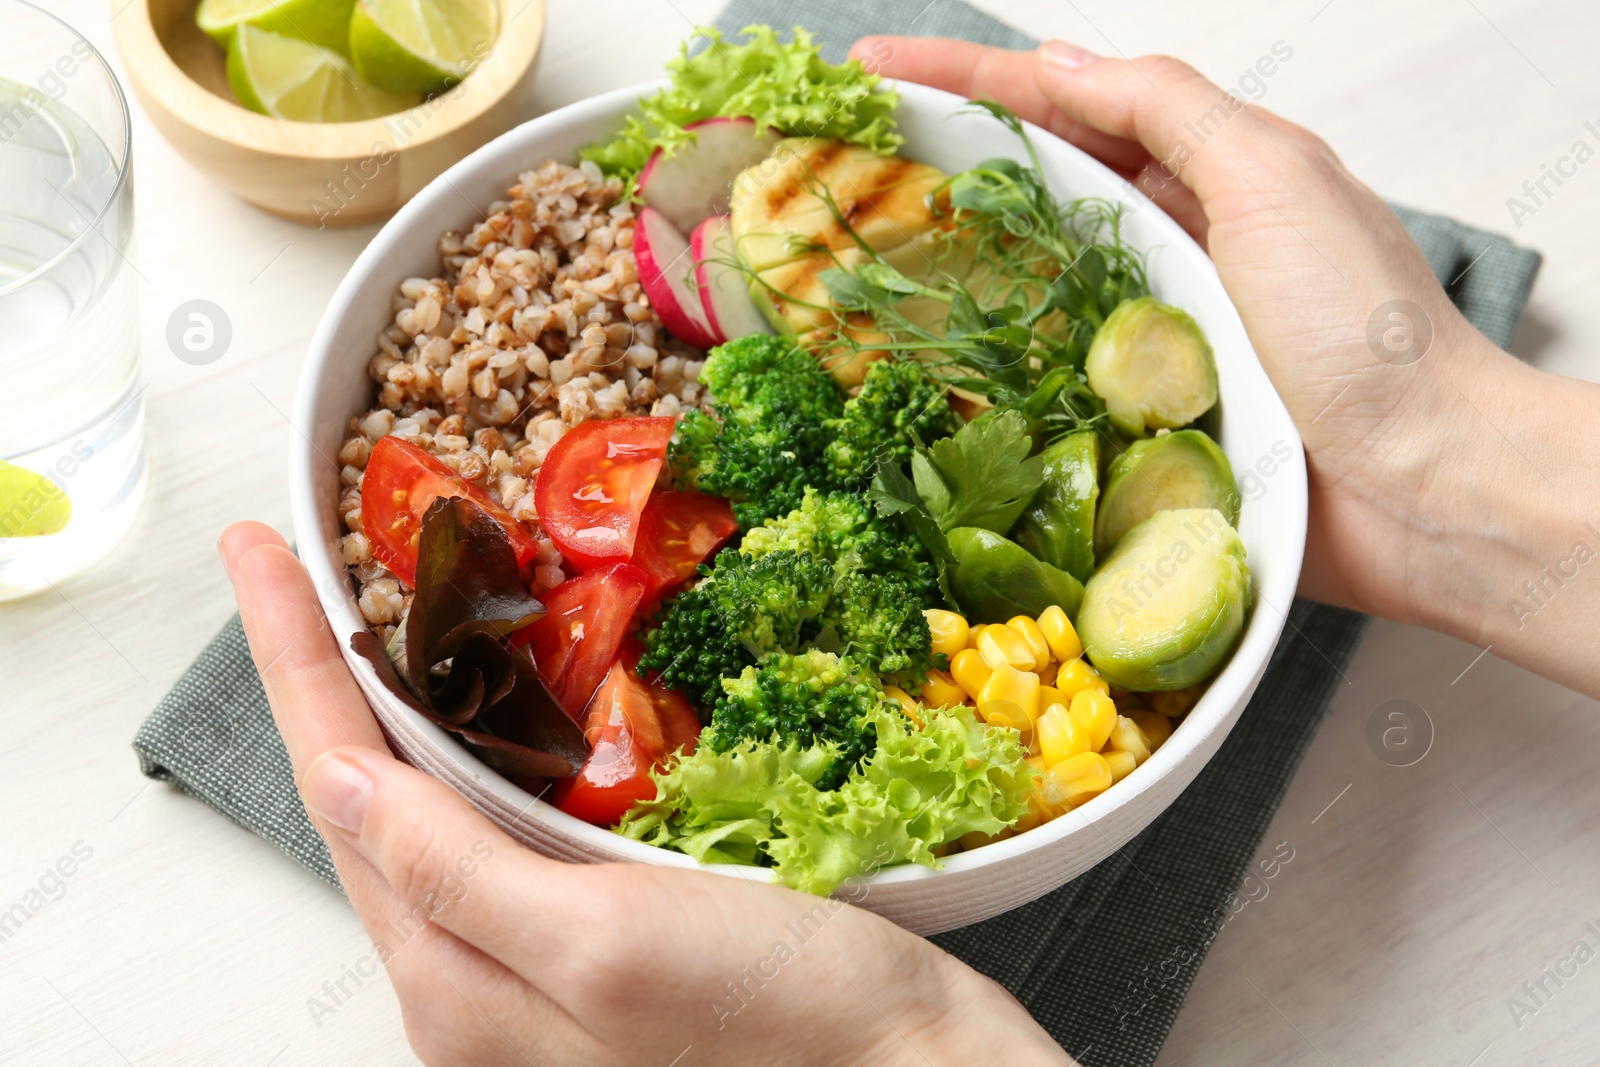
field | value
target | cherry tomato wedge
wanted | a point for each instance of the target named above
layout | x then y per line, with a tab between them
400	482
631	728
585	620
677	533
594	484
621	727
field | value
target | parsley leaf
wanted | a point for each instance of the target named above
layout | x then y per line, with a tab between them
982	476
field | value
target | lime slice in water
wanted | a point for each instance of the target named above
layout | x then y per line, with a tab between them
324	22
421	46
31	505
290	79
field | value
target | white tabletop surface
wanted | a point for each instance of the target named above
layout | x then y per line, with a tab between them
1418	901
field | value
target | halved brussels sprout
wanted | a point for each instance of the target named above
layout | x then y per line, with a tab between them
995	578
1167	607
1152	366
1058	527
1184	469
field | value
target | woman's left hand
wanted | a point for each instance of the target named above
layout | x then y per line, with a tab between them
502	956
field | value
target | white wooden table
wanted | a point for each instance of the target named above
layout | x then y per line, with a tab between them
1419	900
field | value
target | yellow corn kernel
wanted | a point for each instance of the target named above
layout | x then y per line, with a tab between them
1126	737
1156	728
1005	715
1072	781
1002	645
969	671
1059	737
1010	690
1029	820
974	632
1059	634
1049	694
1035	637
1095	715
941	691
1174	703
1035	761
949	630
1038	808
1121	764
1076	675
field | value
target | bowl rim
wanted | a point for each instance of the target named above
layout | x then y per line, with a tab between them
153	69
1217	709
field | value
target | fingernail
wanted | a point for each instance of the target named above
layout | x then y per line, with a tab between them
1064	56
222	550
339	791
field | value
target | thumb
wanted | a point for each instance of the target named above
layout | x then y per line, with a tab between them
448	863
1163	104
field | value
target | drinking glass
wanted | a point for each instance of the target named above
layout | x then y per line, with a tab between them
72	464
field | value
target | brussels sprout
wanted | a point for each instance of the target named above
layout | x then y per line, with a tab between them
995	578
1185	469
1152	366
1058	527
1168	605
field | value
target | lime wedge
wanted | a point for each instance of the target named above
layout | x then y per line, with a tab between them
421	46
31	505
290	79
324	22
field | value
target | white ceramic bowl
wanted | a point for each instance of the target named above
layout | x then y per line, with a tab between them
1257	435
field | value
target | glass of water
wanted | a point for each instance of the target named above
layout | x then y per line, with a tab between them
72	465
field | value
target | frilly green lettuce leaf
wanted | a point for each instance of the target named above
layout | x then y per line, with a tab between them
758	802
786	85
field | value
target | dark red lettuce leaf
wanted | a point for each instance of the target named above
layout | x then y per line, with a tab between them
460	671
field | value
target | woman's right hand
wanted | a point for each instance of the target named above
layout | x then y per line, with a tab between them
1411	476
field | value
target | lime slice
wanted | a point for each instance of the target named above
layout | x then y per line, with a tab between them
31	505
324	22
421	46
290	79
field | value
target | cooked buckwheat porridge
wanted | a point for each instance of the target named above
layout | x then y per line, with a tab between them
536	324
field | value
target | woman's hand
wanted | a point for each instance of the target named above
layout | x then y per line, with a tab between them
501	956
1440	468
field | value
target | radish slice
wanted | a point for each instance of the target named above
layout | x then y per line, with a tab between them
666	270
697	181
724	288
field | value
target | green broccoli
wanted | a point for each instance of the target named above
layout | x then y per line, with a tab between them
877	621
844	529
899	405
800	699
764	443
746	608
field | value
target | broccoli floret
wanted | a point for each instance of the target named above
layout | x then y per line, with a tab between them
877	621
844	529
899	405
801	699
759	377
764	443
745	609
692	647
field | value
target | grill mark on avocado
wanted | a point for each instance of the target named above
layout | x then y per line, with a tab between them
780	197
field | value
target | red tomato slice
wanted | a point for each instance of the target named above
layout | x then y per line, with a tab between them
680	728
625	734
585	620
400	482
677	533
594	484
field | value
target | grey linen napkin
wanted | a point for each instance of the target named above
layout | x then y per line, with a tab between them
1104	962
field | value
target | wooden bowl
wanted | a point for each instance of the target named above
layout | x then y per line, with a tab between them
323	174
